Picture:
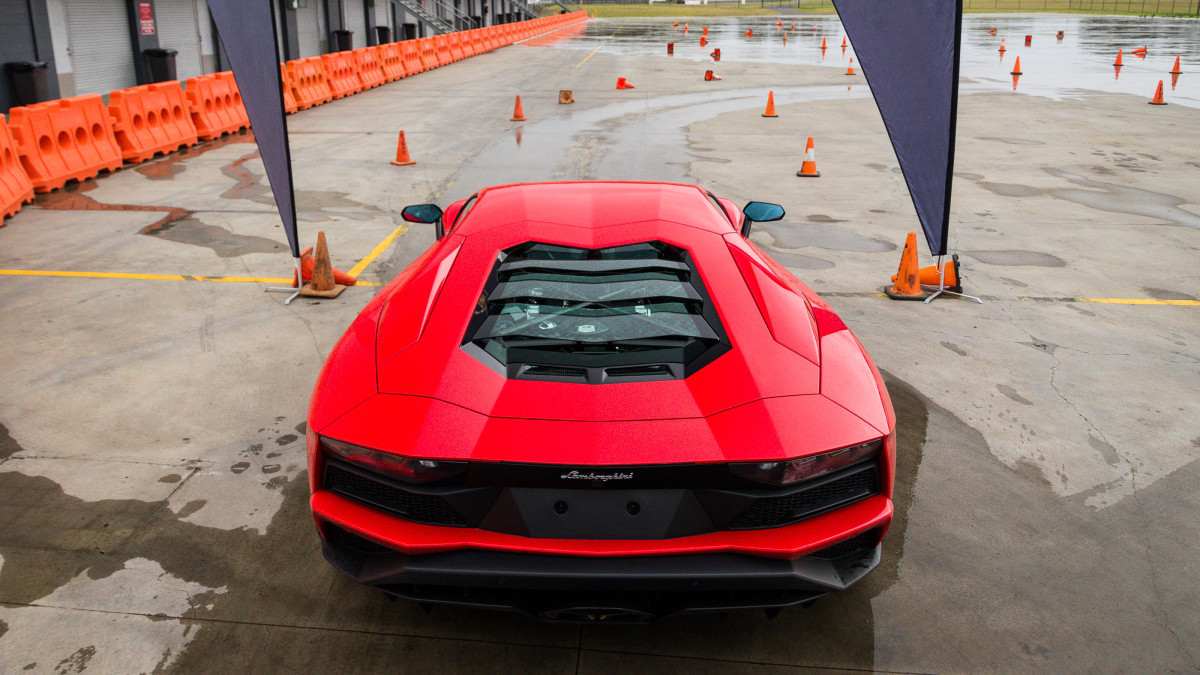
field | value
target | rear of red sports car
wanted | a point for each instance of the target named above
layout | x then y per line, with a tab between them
600	401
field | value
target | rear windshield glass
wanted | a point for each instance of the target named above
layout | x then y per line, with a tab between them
555	305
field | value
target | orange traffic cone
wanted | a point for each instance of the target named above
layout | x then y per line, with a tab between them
932	275
622	84
716	54
1002	49
709	76
770	112
1120	61
992	31
676	24
1158	96
809	168
1060	35
904	282
843	42
705	32
1176	70
850	70
749	33
822	44
1139	50
402	158
308	263
1017	68
518	111
703	41
685	28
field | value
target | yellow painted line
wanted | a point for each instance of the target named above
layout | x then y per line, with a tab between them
1031	298
378	250
155	277
1140	301
585	59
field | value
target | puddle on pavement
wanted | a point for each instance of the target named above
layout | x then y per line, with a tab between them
1080	62
1017	258
224	243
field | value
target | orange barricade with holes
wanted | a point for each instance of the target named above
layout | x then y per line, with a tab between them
151	119
15	189
428	53
307	79
470	43
216	105
367	68
441	49
289	99
391	61
456	50
67	139
411	55
340	74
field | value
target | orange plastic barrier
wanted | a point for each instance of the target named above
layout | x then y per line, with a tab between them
15	189
216	105
456	50
429	59
367	68
340	73
151	119
391	61
307	79
411	56
289	99
67	139
470	44
441	45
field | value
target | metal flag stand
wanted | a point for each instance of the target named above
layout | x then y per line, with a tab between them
288	289
941	287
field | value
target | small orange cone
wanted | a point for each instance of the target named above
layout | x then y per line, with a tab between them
308	264
677	24
843	42
1158	96
670	48
622	84
705	33
1002	49
1061	33
822	44
709	76
703	41
518	111
1139	50
749	33
716	54
1120	61
685	28
809	168
905	284
793	26
1176	70
402	158
932	276
770	112
992	31
1017	68
850	70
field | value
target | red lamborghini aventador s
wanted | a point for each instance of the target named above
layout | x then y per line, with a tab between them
600	401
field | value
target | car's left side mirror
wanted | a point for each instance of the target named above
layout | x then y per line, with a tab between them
759	212
425	213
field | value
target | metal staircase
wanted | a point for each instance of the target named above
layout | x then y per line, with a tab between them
524	8
437	23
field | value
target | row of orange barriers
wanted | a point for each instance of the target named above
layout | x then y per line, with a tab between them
43	146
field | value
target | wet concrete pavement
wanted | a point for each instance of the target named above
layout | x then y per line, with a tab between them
153	512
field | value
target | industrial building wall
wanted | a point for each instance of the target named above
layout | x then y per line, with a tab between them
99	45
25	36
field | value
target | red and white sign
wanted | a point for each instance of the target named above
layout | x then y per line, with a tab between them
146	17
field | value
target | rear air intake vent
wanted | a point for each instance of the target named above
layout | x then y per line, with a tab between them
557	372
654	370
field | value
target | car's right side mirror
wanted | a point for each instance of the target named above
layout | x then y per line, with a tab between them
425	213
760	212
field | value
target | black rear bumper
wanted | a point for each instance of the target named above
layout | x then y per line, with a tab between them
627	589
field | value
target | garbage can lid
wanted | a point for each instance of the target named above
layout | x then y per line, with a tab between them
160	51
25	66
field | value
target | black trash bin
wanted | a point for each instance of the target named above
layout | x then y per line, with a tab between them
162	64
30	81
344	39
383	34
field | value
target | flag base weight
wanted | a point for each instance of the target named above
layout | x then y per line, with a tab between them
942	289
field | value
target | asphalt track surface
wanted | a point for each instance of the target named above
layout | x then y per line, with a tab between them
153	497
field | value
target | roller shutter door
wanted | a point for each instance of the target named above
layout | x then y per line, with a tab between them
308	30
179	29
101	48
356	20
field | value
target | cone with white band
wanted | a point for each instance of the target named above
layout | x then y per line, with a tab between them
809	168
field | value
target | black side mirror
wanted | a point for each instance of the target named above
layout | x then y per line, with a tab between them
425	213
759	212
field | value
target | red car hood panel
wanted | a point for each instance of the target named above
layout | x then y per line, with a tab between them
776	428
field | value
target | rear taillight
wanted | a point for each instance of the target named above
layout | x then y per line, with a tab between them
409	469
796	470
